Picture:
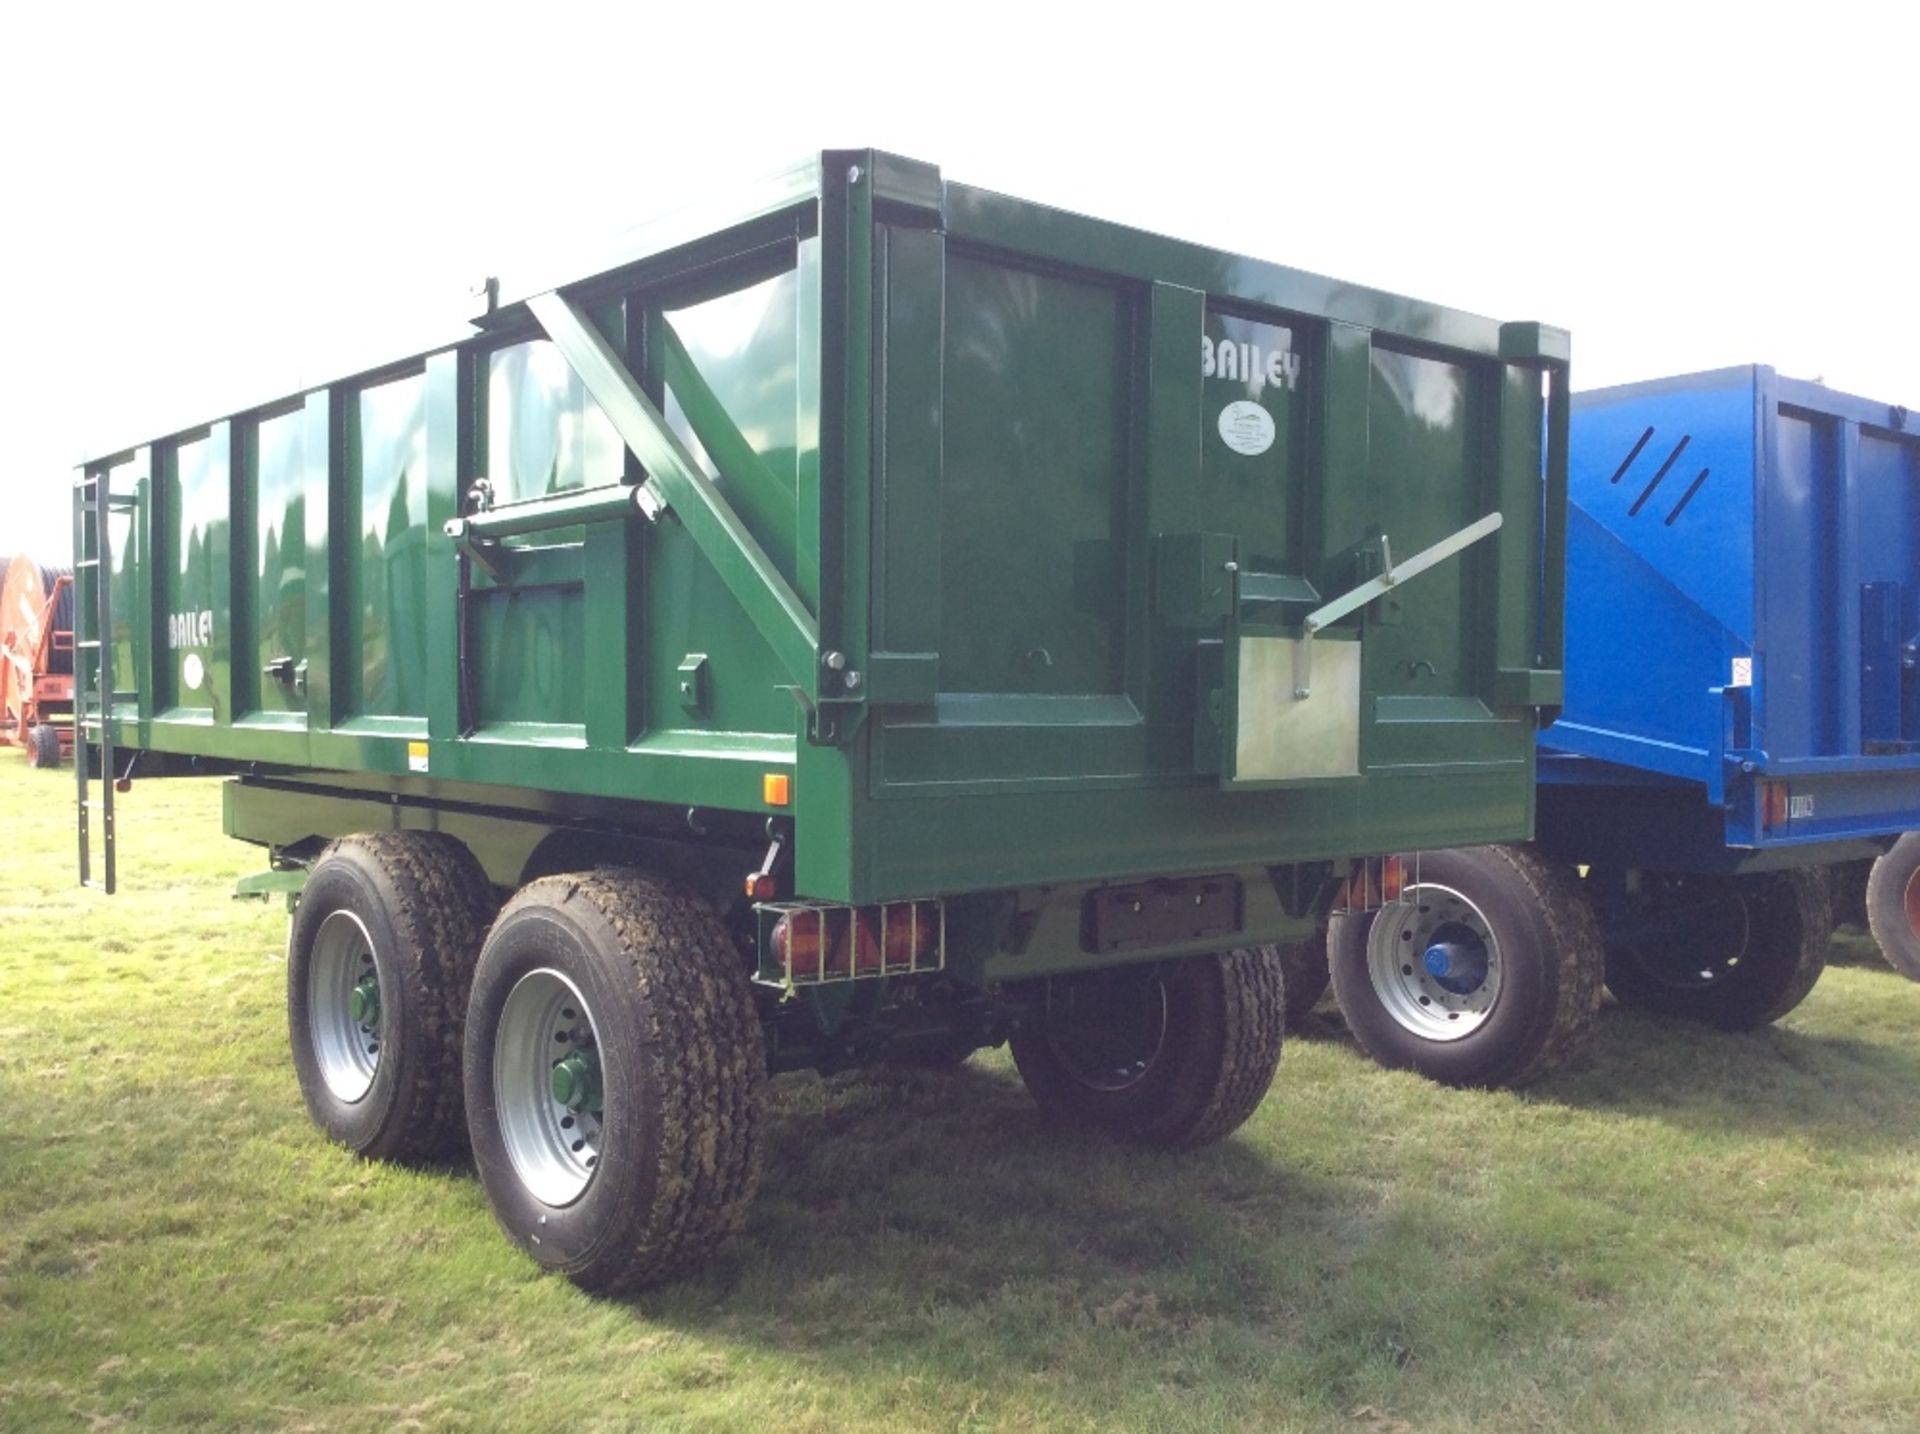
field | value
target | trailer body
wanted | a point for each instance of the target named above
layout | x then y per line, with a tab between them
988	534
1741	690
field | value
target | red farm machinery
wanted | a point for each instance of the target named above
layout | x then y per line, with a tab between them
36	660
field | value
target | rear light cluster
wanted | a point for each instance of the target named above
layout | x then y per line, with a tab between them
1374	884
808	943
1773	805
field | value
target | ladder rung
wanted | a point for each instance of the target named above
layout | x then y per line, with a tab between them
86	562
87	642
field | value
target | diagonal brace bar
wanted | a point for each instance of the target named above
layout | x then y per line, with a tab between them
749	574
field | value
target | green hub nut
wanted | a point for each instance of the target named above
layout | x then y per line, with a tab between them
576	1081
363	1002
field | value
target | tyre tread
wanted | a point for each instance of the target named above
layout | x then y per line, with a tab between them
1253	995
1575	934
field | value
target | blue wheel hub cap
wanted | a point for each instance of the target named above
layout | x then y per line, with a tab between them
1456	959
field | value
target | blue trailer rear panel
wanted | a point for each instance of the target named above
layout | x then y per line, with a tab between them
1743	564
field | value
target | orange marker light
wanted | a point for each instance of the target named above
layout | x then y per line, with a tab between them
776	789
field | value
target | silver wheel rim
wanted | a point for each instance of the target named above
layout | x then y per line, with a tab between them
554	1145
1436	1001
346	1047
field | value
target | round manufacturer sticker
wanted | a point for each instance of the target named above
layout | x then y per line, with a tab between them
1246	427
193	671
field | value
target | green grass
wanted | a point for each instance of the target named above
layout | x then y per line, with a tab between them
1691	1231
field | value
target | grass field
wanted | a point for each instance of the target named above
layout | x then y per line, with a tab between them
1691	1231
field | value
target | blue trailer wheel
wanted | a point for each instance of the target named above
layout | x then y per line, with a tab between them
1734	951
1893	905
1485	971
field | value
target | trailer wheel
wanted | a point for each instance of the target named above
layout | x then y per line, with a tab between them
1893	905
1176	1055
1485	972
614	1077
379	957
1305	964
1734	951
43	746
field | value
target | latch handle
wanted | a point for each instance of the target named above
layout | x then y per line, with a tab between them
1379	586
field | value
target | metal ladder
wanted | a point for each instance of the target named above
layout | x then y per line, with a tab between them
93	691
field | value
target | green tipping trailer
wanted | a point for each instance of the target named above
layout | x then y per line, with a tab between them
877	620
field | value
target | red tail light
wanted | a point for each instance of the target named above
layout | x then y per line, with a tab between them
827	943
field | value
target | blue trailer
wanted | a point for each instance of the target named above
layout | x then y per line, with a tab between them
1742	713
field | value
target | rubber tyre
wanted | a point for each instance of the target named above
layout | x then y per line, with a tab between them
43	746
1788	919
1551	973
683	1067
1225	1019
1896	876
1308	976
424	902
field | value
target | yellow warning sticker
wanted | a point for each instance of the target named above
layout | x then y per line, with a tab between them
416	756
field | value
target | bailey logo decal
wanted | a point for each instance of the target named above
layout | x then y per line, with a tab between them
1258	367
189	629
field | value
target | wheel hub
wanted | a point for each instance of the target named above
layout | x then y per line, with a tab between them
343	1006
1457	961
1107	1033
576	1081
1434	962
549	1092
363	1005
1694	934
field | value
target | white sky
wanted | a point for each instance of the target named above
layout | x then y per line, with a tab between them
205	206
